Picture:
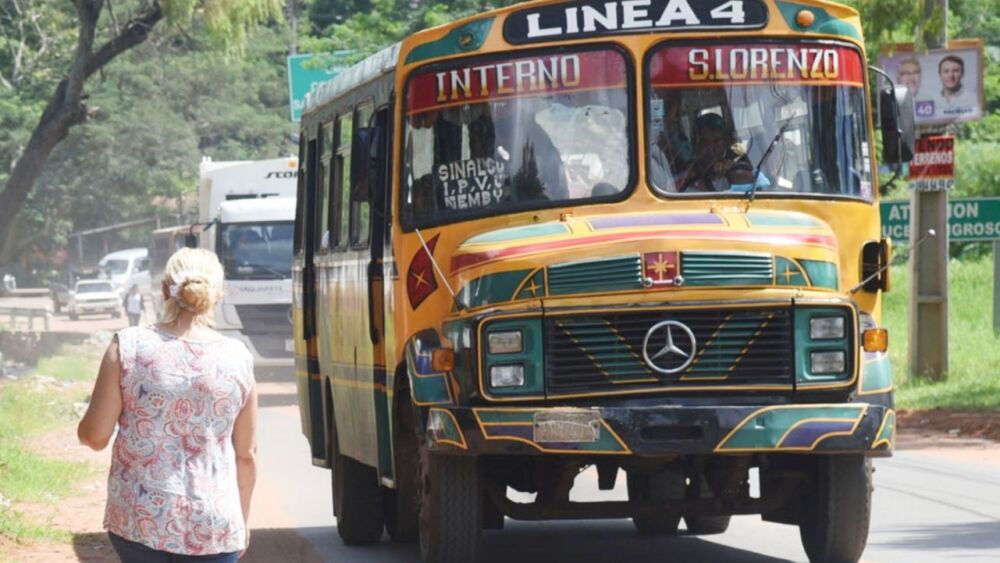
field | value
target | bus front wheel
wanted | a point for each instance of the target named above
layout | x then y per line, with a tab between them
834	527
451	511
357	498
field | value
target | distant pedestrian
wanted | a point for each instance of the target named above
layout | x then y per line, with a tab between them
183	465
133	306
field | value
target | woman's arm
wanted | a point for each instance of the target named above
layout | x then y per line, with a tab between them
245	445
98	424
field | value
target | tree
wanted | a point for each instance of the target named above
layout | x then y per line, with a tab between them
45	53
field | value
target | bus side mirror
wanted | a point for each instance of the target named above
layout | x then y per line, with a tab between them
875	257
898	130
363	155
190	241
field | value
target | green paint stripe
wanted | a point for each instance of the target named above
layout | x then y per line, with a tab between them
761	219
888	424
450	431
876	375
469	37
518	233
824	23
765	429
430	389
821	274
492	288
494	417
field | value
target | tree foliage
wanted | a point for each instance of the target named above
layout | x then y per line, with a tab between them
50	53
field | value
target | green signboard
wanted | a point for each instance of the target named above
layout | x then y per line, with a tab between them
305	74
969	219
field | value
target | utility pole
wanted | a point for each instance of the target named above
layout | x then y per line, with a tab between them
293	26
928	336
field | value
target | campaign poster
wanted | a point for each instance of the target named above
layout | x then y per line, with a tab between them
947	84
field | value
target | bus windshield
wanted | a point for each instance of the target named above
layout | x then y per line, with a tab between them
492	136
779	117
253	251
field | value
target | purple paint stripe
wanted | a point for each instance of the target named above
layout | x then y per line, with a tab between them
803	436
619	221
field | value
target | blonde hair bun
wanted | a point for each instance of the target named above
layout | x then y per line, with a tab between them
197	295
192	281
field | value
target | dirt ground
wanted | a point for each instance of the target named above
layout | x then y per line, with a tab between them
962	437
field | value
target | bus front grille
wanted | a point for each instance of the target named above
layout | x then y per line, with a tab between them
593	353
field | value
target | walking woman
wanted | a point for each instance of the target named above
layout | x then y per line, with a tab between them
133	306
183	464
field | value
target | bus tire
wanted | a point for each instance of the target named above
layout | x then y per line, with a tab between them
451	512
662	486
834	526
357	498
402	504
707	525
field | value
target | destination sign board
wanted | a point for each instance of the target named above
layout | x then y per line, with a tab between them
969	219
591	18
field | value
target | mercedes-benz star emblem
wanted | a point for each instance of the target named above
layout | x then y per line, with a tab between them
666	349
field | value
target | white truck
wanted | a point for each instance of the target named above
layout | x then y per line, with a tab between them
251	208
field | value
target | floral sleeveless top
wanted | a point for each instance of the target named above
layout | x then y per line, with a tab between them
172	485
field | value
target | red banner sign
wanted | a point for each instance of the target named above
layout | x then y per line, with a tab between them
794	62
510	78
933	164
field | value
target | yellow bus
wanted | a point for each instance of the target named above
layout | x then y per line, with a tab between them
638	236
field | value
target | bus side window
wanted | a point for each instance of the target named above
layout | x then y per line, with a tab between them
342	175
300	198
324	230
361	209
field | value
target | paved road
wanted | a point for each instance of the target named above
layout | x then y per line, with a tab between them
927	508
60	322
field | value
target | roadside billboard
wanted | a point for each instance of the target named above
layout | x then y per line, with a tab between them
947	84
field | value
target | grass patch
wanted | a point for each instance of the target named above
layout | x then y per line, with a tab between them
20	529
973	381
73	364
29	407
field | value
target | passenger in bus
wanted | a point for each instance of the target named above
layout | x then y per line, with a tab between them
671	150
719	164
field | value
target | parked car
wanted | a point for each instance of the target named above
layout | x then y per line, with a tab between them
94	297
60	291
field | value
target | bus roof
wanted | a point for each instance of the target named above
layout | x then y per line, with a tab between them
365	71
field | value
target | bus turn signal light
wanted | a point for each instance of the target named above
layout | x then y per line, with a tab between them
876	340
442	359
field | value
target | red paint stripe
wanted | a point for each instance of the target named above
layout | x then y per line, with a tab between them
463	261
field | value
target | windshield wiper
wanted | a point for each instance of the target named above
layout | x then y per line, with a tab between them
763	158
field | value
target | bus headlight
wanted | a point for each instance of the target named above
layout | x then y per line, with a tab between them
827	362
509	342
510	375
826	328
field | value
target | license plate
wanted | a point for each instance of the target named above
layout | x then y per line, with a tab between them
289	345
567	426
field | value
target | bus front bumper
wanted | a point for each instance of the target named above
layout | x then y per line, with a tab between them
663	430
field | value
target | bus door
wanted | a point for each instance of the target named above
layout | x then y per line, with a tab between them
310	389
379	275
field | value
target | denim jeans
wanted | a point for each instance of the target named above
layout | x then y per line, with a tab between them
132	552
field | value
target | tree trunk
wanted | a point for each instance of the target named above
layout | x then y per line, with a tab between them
67	106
